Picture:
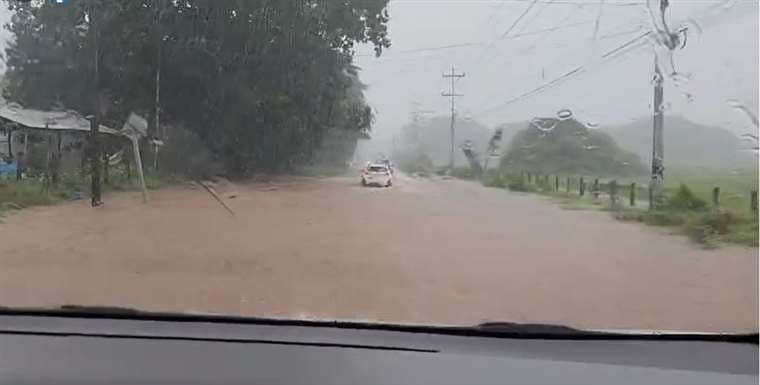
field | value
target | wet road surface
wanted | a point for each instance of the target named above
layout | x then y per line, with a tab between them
424	251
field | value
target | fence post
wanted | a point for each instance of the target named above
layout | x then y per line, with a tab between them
556	183
753	201
582	188
716	196
596	188
528	178
613	192
633	195
567	185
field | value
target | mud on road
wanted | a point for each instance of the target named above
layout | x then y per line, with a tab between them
424	251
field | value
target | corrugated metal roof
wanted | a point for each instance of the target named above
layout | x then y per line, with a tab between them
48	120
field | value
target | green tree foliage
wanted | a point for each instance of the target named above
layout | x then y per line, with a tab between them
568	147
259	81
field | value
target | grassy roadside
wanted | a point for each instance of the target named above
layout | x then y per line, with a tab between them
686	211
17	195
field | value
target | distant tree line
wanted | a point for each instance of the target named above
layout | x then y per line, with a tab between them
260	82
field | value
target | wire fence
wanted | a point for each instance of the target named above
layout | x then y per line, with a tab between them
617	193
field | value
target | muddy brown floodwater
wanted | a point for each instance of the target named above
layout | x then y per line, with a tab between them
424	251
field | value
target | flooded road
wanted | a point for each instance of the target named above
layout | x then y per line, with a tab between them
424	251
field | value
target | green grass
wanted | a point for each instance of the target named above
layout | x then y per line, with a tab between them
688	207
16	195
735	186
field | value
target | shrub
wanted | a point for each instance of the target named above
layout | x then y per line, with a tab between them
495	179
463	173
185	154
663	218
517	183
685	200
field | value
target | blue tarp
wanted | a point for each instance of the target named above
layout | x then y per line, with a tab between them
8	168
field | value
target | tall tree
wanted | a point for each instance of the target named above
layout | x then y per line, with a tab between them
260	81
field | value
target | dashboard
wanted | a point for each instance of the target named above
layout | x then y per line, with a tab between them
80	350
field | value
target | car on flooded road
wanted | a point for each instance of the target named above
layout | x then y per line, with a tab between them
376	174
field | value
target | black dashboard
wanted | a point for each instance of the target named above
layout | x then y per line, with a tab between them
80	350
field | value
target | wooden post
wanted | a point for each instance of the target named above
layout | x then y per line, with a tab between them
556	183
753	201
582	188
106	167
10	143
139	166
716	196
651	197
613	192
596	188
567	185
632	198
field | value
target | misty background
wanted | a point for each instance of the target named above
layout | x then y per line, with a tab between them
509	47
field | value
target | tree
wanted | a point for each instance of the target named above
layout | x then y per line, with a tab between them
259	81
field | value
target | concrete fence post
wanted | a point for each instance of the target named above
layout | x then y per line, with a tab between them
716	196
632	198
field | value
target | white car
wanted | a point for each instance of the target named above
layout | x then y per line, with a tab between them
377	174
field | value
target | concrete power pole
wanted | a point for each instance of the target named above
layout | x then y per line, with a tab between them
658	145
453	95
658	125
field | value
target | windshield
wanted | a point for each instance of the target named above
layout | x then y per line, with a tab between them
583	163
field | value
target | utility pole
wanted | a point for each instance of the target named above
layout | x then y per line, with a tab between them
658	145
453	95
95	188
658	126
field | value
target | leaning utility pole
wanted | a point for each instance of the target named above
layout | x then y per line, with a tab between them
453	95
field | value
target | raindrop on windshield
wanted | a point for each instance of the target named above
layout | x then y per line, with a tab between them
564	114
592	125
544	125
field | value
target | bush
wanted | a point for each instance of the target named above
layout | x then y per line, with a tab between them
463	173
517	183
416	164
494	178
685	200
185	154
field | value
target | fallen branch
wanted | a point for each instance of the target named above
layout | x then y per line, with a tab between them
216	196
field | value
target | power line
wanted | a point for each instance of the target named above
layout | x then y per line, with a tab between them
633	43
514	24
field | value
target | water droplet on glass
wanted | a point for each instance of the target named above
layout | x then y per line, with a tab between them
680	78
592	125
544	125
689	98
656	78
564	114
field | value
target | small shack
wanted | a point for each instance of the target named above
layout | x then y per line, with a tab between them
64	131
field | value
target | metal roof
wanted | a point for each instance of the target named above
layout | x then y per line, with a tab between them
48	120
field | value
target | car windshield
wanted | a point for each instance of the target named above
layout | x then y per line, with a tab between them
588	163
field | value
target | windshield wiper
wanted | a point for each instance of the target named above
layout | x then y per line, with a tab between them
489	329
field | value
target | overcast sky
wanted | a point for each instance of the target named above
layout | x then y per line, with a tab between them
505	55
509	47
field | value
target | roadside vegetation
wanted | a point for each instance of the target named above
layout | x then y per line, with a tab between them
17	195
688	208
